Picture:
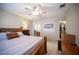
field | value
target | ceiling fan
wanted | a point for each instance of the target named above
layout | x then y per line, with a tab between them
35	10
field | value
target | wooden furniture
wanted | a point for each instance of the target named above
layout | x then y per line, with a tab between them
36	33
68	45
26	32
11	29
39	50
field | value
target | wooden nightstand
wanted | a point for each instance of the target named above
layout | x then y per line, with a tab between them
26	32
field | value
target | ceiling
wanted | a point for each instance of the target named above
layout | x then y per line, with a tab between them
51	9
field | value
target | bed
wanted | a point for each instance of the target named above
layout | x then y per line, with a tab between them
23	45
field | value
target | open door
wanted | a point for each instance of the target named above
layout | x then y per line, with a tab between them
62	28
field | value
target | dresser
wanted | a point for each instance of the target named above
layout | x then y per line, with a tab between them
68	45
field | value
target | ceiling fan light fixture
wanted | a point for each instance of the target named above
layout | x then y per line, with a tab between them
35	13
36	10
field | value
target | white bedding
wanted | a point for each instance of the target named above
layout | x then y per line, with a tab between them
18	46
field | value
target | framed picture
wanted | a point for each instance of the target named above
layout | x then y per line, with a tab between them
48	26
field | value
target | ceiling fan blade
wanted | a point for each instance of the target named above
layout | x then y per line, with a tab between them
27	8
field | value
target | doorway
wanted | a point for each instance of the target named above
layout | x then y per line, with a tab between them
62	28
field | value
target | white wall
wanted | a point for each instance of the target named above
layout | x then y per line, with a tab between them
52	34
10	20
73	21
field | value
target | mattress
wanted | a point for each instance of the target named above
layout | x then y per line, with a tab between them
19	46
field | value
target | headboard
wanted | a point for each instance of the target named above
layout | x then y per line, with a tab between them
10	29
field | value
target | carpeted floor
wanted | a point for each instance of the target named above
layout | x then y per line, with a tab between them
52	48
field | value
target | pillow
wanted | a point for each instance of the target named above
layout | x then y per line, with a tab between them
12	35
20	33
3	36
